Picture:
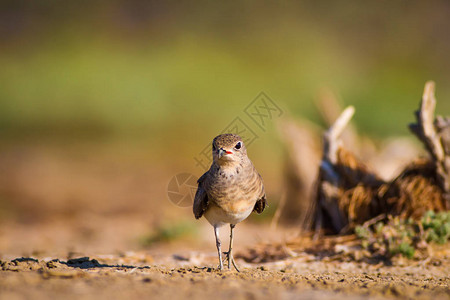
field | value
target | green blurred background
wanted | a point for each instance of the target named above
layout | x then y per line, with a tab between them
151	83
150	68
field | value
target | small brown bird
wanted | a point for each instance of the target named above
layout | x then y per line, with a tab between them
230	190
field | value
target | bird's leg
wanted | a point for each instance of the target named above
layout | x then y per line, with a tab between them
231	246
216	232
230	253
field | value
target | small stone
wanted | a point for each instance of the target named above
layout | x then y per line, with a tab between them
75	261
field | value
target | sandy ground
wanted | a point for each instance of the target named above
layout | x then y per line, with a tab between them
139	274
92	257
71	227
187	269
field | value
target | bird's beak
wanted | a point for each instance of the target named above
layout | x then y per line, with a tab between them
223	152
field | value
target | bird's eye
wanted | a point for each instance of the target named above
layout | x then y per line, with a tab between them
238	146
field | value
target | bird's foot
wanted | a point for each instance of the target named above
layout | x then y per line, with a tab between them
229	258
220	266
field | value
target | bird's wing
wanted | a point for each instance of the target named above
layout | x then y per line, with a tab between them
201	198
261	202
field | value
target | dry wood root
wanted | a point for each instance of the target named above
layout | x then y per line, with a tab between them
349	193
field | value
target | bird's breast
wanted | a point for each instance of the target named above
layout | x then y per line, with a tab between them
235	191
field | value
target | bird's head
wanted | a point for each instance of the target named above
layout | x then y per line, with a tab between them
228	149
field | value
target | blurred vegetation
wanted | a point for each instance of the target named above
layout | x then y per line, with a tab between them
148	68
437	227
166	77
405	237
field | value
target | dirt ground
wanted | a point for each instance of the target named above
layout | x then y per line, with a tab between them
187	268
68	231
170	277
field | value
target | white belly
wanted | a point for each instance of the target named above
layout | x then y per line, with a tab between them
218	217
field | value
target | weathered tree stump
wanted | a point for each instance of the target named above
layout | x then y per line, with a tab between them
349	193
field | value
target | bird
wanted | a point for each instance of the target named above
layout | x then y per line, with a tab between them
229	191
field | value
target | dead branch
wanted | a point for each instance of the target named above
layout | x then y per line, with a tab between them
349	193
329	181
435	135
331	138
345	186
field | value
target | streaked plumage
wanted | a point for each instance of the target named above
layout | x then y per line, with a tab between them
231	189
